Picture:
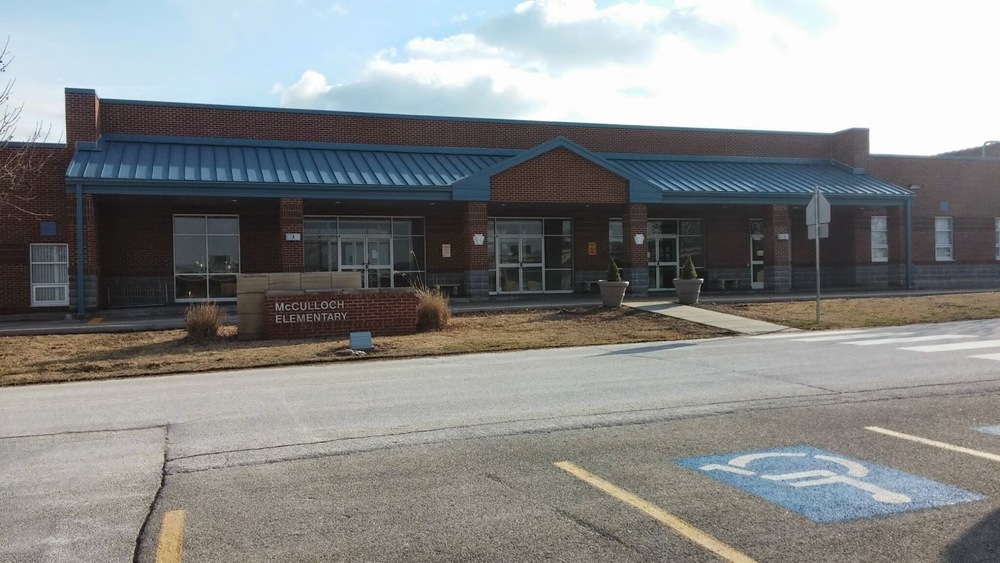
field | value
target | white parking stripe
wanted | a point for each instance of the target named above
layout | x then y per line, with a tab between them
906	339
846	337
955	346
935	443
988	357
785	335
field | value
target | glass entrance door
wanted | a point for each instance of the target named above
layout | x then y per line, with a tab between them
756	253
519	263
662	256
369	255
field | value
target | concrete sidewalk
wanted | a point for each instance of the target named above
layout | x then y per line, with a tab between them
702	316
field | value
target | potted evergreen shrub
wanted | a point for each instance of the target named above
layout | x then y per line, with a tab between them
688	285
613	288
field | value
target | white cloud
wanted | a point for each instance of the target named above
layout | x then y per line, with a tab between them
310	86
755	64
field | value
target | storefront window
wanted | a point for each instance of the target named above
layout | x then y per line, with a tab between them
206	257
389	251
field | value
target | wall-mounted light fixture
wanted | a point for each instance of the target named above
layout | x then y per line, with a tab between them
639	238
478	239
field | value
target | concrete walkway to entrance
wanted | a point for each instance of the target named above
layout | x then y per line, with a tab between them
703	316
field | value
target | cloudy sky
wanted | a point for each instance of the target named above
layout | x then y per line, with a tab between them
919	74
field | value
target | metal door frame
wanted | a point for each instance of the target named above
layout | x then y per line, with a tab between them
655	264
366	268
520	265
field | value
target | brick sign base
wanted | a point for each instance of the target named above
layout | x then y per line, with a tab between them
312	315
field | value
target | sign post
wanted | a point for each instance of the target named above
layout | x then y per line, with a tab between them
818	224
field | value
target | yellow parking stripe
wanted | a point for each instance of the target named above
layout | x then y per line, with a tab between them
692	534
171	547
936	444
95	320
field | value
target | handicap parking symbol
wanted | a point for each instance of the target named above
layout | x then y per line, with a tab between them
826	486
990	429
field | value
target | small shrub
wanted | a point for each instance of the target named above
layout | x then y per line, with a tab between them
433	312
687	271
614	272
204	321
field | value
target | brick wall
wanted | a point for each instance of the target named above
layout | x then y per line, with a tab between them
559	175
46	201
962	188
382	312
118	116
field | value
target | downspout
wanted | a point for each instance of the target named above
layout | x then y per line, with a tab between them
909	244
81	287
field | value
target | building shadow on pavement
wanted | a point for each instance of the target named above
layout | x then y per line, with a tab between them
980	543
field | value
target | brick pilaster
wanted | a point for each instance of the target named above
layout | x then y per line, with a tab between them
476	257
292	251
777	253
636	260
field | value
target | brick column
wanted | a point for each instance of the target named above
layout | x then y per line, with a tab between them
476	257
636	270
777	253
292	251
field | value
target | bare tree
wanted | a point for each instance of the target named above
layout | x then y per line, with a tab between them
21	163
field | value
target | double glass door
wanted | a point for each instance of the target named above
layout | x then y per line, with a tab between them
369	255
519	262
662	257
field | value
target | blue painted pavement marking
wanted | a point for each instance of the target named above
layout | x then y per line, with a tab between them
826	486
990	429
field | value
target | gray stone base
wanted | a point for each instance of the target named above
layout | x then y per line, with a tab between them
90	293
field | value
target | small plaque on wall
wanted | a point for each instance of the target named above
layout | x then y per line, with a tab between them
445	251
591	249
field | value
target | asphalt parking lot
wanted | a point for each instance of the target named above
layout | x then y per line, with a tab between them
889	480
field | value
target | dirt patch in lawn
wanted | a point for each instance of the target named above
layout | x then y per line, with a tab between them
77	357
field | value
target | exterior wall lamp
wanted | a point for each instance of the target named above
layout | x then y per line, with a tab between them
478	239
639	238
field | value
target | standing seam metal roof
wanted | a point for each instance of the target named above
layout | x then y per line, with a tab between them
786	178
171	161
130	162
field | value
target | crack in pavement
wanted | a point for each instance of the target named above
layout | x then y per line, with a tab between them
156	496
78	432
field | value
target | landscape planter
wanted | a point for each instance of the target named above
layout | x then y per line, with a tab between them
688	290
612	293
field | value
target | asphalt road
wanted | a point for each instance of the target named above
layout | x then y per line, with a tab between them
452	458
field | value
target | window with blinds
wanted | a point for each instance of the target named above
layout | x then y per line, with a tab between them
49	275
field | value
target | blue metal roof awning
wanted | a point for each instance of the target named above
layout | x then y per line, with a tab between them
746	180
140	165
172	166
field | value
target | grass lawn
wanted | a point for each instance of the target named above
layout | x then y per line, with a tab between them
55	358
77	357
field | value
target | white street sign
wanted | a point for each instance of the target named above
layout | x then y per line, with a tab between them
823	228
818	210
